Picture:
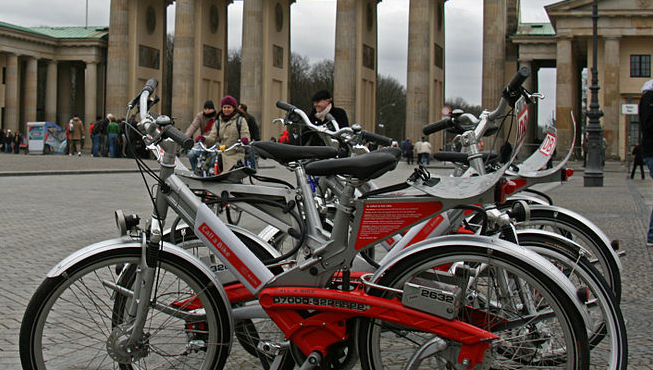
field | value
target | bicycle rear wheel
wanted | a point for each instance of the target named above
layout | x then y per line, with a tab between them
72	321
547	218
607	332
538	324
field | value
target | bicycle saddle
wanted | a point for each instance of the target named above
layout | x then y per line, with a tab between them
364	167
285	153
488	156
391	150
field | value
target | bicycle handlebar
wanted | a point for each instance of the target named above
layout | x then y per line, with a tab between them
379	139
150	125
518	79
177	136
434	127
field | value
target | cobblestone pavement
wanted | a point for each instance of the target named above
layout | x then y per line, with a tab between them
43	218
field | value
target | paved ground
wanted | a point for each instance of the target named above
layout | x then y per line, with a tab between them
61	204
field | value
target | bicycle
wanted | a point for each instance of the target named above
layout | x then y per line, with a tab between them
137	313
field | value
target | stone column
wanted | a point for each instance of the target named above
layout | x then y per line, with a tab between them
565	76
612	100
251	77
183	62
11	92
29	106
417	89
64	110
118	57
494	51
90	99
51	92
344	76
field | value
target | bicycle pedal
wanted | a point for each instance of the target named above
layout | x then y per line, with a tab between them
435	297
271	349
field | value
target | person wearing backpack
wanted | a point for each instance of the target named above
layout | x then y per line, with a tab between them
254	132
646	123
227	131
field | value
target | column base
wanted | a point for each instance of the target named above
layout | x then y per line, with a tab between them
593	179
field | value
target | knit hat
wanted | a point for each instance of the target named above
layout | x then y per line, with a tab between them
230	100
209	105
321	95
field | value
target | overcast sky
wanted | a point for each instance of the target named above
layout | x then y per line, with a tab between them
313	33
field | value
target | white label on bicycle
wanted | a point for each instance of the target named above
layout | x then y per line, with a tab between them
240	260
315	301
548	144
522	120
383	219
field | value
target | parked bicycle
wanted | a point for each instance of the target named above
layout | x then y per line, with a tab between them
440	303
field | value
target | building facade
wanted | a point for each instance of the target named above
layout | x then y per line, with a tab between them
625	46
51	74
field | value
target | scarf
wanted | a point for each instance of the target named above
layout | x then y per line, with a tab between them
322	115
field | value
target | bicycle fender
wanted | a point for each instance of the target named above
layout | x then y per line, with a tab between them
127	242
500	246
531	199
586	222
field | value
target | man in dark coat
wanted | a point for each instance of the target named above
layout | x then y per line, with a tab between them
646	122
323	104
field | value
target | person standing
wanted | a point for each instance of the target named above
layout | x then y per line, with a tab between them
203	122
103	144
17	140
254	132
8	140
637	161
76	136
409	151
3	137
95	136
646	123
113	129
323	104
423	151
227	130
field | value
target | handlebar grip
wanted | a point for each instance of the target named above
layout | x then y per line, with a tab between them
150	85
434	127
179	137
285	106
379	139
519	78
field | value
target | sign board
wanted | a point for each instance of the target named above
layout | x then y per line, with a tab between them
445	111
629	109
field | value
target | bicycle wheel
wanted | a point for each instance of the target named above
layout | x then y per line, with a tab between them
72	322
537	322
248	332
548	218
607	334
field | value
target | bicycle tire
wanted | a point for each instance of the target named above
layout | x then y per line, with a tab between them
573	353
545	216
607	338
78	305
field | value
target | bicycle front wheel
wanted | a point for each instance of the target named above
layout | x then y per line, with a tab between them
538	324
72	321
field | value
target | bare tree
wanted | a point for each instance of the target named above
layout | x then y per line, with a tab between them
390	107
232	74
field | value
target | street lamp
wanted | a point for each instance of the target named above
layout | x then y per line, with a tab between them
381	123
594	171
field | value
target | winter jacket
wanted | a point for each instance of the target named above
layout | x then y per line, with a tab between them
228	135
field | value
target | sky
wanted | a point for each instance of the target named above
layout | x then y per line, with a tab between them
314	36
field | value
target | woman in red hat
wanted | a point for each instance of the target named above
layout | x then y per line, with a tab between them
228	129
